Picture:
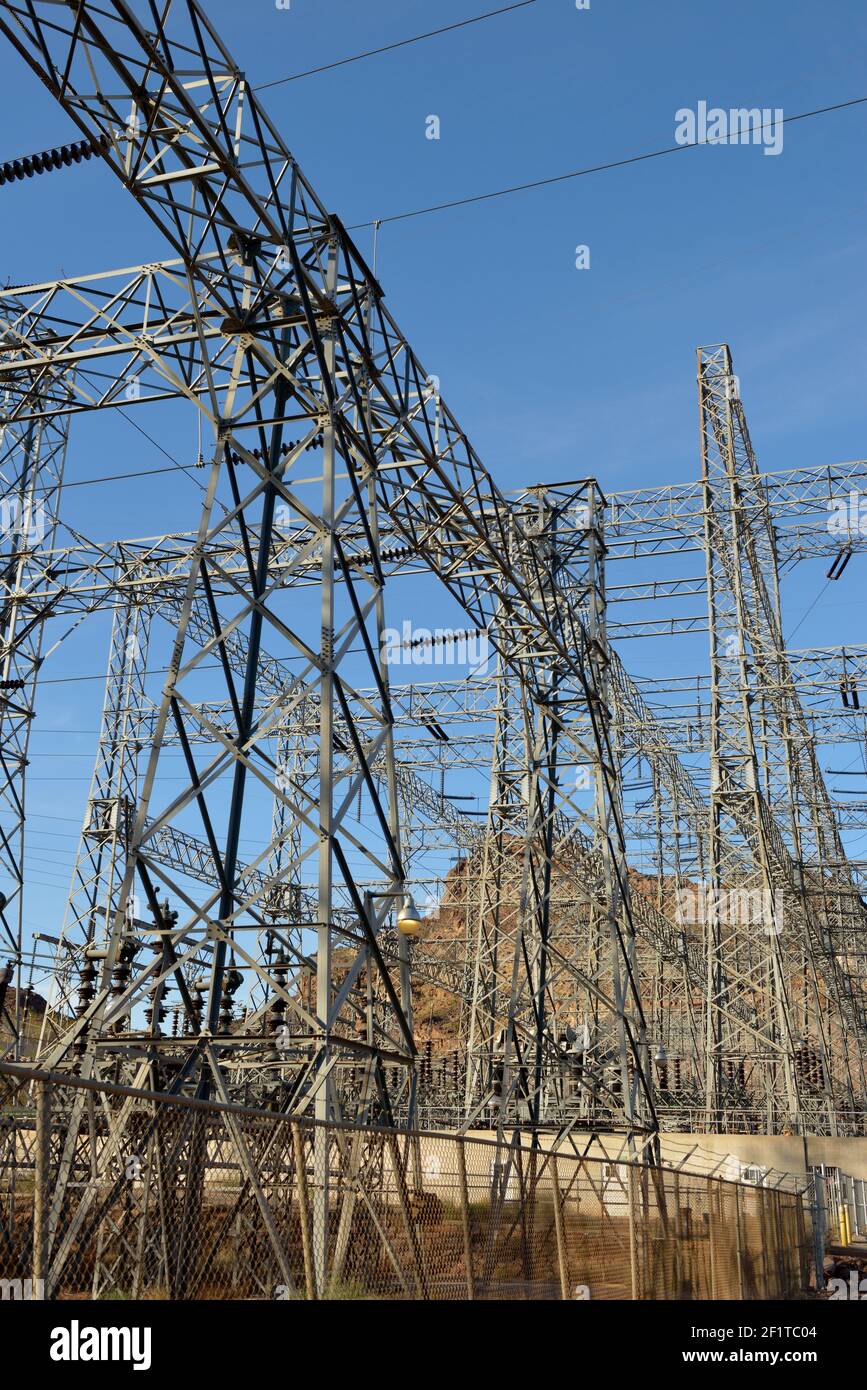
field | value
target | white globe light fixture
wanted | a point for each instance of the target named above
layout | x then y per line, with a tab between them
408	918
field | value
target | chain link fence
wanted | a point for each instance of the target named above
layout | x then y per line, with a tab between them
108	1193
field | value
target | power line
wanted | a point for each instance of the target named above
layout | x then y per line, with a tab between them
390	47
596	168
100	676
807	613
119	477
156	444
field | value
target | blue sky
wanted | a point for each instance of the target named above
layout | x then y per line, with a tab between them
554	372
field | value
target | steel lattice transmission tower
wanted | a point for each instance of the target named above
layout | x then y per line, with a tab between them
273	326
33	449
786	962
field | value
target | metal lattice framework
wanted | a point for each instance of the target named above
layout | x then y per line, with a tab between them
32	458
285	973
589	924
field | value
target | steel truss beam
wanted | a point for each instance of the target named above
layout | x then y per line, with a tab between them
282	327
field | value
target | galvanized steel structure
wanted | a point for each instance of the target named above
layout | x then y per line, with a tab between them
589	995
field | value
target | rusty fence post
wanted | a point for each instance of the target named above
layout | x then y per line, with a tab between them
804	1245
565	1285
465	1217
679	1241
634	1236
41	1190
523	1209
784	1247
710	1237
739	1236
304	1210
763	1240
